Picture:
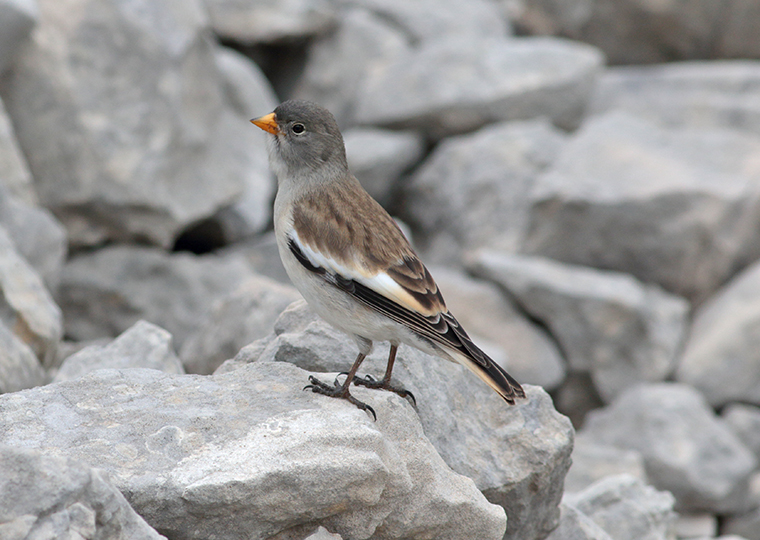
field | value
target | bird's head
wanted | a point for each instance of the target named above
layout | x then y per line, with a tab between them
305	138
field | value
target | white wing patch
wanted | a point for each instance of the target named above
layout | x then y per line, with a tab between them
380	282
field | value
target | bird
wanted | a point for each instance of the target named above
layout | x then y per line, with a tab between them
352	263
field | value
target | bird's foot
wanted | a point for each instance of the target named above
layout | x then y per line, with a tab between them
370	382
337	391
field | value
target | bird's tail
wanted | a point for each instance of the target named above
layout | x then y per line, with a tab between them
494	376
471	356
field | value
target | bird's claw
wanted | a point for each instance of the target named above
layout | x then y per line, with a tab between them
337	391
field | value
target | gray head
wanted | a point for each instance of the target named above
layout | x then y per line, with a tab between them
306	143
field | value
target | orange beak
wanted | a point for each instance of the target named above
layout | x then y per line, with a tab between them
267	123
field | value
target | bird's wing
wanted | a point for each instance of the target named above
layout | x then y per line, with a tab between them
406	293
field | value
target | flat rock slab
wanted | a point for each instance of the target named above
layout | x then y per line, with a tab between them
457	85
721	93
474	190
676	206
248	454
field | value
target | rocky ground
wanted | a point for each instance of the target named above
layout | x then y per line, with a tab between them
589	205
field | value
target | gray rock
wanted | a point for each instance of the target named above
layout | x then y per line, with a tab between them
261	253
248	313
139	110
249	454
608	323
440	19
378	157
511	79
105	292
268	21
144	345
521	347
744	421
38	236
577	396
43	496
474	190
323	534
17	18
517	467
247	89
627	509
700	94
696	526
743	525
19	367
26	306
687	450
592	462
249	94
338	63
15	176
722	355
677	207
574	525
632	32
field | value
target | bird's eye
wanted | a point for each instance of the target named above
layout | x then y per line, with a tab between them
298	128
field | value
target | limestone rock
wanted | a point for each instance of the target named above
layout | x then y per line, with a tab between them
138	110
711	94
19	367
746	526
338	63
15	177
608	323
474	190
17	18
250	95
378	157
633	32
496	79
26	306
430	20
575	525
105	292
627	509
249	454
687	450
144	345
593	461
38	236
248	313
44	496
267	21
677	207
744	421
323	534
517	456
722	355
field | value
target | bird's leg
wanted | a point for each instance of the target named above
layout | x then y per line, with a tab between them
341	390
385	383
